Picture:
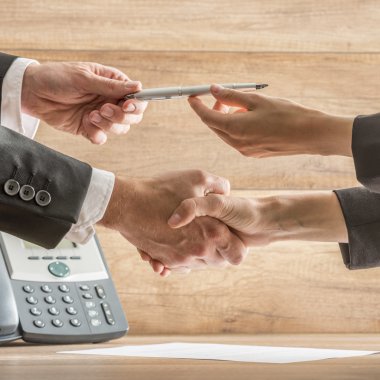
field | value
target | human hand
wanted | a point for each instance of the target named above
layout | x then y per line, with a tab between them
81	98
139	210
265	126
315	216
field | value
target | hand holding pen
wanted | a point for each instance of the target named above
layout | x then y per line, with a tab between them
265	126
163	93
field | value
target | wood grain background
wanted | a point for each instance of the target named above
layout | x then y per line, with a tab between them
322	53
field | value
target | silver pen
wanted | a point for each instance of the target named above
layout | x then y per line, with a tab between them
178	92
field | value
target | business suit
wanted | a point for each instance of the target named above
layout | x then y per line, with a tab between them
42	191
361	206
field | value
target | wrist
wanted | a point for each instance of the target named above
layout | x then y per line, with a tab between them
28	93
119	209
333	134
316	216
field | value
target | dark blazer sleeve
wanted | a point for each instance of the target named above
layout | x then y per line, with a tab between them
361	211
52	189
361	206
41	190
366	150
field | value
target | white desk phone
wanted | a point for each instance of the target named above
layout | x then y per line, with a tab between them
62	295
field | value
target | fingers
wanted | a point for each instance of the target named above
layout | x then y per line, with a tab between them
217	185
111	88
117	119
233	98
156	265
208	183
95	134
218	118
110	124
212	205
219	106
231	248
144	256
134	106
212	117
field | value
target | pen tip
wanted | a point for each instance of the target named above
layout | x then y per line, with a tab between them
260	86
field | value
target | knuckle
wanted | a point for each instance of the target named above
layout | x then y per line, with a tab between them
199	250
214	231
201	176
186	206
109	84
236	259
217	201
228	94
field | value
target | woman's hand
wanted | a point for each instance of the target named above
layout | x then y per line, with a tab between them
264	126
315	216
81	98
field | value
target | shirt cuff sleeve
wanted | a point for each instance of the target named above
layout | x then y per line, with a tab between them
94	206
11	115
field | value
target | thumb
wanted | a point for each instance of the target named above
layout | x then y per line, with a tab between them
233	98
112	88
211	205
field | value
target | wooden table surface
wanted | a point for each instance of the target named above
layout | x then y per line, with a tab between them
20	360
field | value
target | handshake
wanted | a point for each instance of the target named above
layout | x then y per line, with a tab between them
184	220
141	210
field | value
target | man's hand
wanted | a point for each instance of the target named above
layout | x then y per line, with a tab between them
139	210
81	98
315	216
264	126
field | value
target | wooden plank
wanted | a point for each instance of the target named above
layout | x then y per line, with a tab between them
172	137
21	360
285	287
42	362
207	25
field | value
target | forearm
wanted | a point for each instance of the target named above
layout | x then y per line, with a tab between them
315	216
332	135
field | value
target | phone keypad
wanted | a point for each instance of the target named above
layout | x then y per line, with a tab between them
28	289
35	311
58	306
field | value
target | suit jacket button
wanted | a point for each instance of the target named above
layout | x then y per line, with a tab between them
43	198
27	193
11	187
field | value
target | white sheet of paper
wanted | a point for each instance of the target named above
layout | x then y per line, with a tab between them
254	354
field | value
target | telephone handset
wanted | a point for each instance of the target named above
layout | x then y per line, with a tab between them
9	322
63	295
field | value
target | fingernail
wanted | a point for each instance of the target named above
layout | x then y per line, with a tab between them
118	128
130	108
132	83
174	219
96	118
107	112
102	139
216	88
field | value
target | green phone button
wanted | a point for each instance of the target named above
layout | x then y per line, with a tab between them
59	269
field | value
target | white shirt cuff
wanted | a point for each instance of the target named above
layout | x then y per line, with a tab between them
94	206
11	115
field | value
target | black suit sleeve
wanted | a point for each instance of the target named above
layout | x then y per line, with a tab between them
361	206
366	150
41	190
65	179
361	211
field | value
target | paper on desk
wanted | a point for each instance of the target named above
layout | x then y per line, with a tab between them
256	354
